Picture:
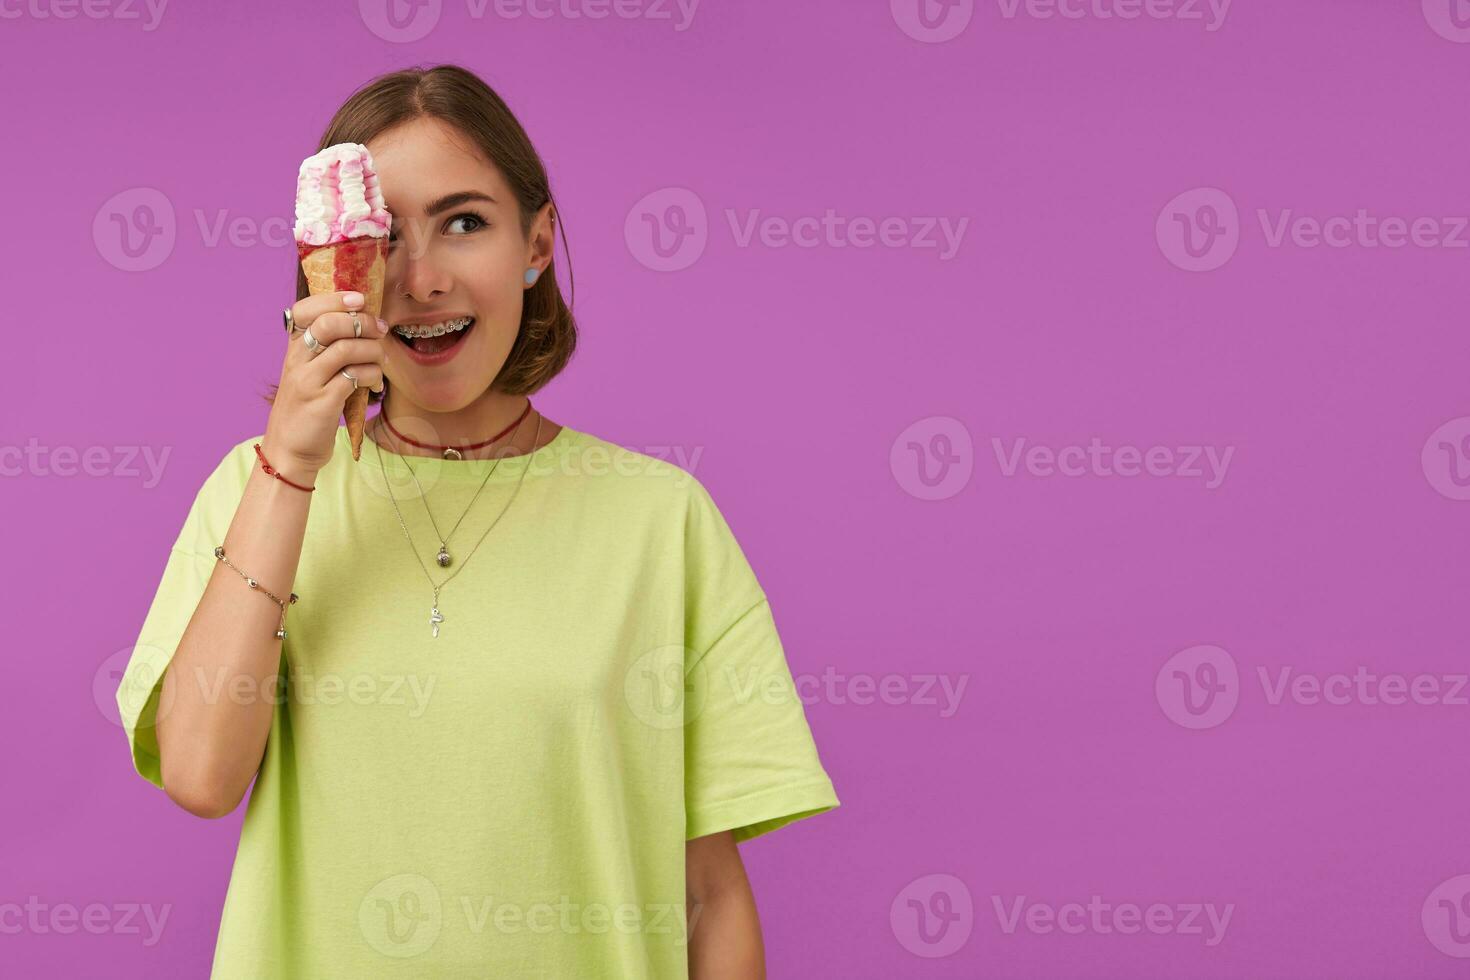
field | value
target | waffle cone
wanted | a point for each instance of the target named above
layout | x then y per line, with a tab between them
359	264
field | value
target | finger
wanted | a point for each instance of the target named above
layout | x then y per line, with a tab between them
340	354
368	376
306	311
340	326
335	329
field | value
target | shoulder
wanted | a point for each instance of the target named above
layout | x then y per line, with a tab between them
661	476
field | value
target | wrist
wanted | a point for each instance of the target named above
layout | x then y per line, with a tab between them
285	468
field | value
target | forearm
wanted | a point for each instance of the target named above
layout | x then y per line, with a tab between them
725	936
219	690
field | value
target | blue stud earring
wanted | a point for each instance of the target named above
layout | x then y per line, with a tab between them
531	275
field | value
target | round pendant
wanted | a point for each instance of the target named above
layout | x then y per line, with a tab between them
443	557
453	454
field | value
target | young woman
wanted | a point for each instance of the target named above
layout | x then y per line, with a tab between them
531	695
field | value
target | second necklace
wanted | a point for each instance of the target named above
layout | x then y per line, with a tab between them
443	557
435	616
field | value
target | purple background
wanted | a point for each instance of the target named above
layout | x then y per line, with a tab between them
804	377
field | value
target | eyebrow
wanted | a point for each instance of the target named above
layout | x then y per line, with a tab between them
442	204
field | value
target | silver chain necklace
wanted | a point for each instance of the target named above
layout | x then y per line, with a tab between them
436	617
443	557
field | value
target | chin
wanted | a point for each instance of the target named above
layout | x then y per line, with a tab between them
444	393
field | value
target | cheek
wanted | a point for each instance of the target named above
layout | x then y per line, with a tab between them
499	288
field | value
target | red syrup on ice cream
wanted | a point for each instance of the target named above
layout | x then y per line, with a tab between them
354	257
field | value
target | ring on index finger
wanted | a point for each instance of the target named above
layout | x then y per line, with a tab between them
356	326
312	344
290	320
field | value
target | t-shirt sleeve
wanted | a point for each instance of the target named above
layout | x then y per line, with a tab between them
186	572
750	762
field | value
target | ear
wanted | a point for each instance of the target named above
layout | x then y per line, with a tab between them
542	243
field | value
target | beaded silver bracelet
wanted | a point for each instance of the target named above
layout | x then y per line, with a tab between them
219	552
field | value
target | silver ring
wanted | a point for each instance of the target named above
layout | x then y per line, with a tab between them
290	320
312	344
356	325
350	378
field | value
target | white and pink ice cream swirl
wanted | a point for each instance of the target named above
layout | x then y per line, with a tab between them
338	197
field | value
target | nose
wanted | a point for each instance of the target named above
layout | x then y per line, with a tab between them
418	276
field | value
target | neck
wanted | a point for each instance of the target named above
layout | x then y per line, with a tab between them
489	414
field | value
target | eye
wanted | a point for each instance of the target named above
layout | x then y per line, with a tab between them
479	222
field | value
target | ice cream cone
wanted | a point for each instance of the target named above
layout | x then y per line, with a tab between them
341	232
360	264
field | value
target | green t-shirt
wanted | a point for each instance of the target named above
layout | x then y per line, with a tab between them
510	798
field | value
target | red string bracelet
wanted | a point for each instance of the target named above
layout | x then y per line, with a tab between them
276	473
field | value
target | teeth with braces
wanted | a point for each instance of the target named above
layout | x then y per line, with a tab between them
435	330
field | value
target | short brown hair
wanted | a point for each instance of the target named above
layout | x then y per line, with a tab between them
548	333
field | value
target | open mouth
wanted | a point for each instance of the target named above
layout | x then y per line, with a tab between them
433	341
